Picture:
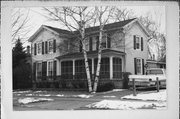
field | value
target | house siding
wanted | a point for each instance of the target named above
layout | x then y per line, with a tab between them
132	53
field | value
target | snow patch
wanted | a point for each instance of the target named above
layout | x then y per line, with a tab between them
83	96
22	91
59	95
31	100
109	96
47	95
156	96
127	105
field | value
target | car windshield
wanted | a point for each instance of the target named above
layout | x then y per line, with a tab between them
155	71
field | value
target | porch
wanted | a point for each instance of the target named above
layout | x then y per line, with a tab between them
71	71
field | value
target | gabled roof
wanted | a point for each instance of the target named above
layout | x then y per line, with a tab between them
109	26
59	30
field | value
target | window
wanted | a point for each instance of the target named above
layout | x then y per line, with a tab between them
138	42
138	66
39	69
67	69
80	71
50	46
105	67
39	48
104	41
50	68
117	68
90	44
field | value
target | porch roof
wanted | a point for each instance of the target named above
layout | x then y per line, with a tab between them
92	54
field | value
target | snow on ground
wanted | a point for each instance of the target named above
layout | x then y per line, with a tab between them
31	100
155	96
127	105
60	95
114	90
46	95
22	91
83	96
109	96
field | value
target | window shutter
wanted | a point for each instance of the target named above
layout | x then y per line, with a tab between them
141	43
90	44
46	47
42	47
80	46
143	66
135	66
44	70
54	45
34	71
108	41
97	42
35	48
54	67
134	38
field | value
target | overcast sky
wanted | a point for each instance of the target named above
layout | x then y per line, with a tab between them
37	19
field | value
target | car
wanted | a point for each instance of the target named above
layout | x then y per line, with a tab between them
150	78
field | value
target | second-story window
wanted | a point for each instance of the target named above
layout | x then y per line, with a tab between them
50	46
138	42
39	48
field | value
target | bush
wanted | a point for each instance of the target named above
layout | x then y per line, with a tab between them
105	87
22	77
126	80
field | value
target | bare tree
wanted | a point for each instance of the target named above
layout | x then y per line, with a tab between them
122	14
76	20
20	18
103	15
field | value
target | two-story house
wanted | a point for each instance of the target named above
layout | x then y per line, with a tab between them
56	52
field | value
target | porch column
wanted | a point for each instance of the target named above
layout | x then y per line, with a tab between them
73	68
58	68
92	68
111	67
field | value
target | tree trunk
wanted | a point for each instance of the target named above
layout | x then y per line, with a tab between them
86	60
87	69
98	63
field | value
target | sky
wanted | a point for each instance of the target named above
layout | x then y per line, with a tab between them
36	17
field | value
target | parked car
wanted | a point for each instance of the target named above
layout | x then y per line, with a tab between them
150	79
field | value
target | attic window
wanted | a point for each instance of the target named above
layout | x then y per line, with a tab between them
39	48
50	46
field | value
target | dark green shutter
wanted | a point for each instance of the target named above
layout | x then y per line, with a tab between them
108	41
134	38
54	45
34	71
143	66
35	48
44	70
141	43
42	47
80	46
54	67
46	47
135	66
97	42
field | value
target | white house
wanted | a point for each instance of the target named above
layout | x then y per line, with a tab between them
56	54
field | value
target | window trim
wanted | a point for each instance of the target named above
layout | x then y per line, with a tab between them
50	40
37	48
141	66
